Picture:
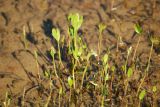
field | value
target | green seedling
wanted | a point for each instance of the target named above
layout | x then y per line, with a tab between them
126	63
128	73
76	22
138	29
7	101
52	53
56	35
85	70
76	46
148	65
101	28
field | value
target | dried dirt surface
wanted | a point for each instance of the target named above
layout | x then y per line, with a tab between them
18	67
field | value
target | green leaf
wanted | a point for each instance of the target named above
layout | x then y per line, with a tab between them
56	34
71	32
130	72
101	27
46	73
142	94
107	77
105	58
154	89
75	20
113	68
75	53
70	81
52	52
61	91
138	28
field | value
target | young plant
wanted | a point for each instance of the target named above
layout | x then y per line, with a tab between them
138	30
105	77
153	41
56	36
127	72
52	53
85	70
101	28
75	23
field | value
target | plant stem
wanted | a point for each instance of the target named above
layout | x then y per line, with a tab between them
55	68
146	70
49	98
136	48
59	54
59	97
102	102
99	45
84	72
73	73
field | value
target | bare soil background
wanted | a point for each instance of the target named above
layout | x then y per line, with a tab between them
18	68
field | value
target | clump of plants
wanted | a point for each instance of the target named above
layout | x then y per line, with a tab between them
88	78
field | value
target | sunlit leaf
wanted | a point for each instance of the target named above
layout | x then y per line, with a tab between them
154	89
142	94
130	72
61	91
107	77
76	20
52	52
138	28
70	81
101	27
105	59
56	34
113	68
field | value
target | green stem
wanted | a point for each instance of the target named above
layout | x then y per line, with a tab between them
136	48
84	72
55	68
146	70
102	102
99	45
73	74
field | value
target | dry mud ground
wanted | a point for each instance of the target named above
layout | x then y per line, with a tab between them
18	68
